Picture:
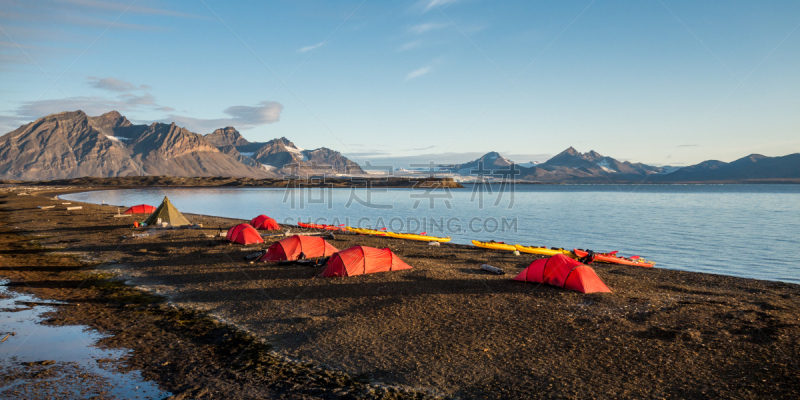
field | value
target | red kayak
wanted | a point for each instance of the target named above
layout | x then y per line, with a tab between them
320	226
614	259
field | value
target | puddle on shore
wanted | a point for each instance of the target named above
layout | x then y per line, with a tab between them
80	369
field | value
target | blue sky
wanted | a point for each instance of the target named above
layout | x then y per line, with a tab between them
660	82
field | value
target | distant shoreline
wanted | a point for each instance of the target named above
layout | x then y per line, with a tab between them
339	182
167	181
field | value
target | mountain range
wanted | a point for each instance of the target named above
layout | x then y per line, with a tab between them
569	165
572	166
281	155
73	144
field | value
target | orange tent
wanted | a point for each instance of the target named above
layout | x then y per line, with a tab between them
140	209
244	234
289	249
562	271
265	223
359	260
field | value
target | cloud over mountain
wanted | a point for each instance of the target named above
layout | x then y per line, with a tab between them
114	85
241	117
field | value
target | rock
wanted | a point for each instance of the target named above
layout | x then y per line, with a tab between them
43	362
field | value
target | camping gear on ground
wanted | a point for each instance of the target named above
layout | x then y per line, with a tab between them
589	258
264	223
360	260
494	270
562	271
291	249
321	262
613	258
140	209
320	226
166	212
494	245
243	234
414	236
544	251
255	255
434	244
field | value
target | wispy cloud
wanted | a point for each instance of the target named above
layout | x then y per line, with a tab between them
367	153
17	45
380	158
114	85
128	97
409	46
91	105
266	112
417	73
310	48
427	5
688	145
133	98
37	26
242	117
423	148
144	100
428	26
122	6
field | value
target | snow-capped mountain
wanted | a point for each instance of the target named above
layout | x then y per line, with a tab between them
486	163
282	156
73	144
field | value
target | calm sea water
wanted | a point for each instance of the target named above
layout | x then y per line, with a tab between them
749	231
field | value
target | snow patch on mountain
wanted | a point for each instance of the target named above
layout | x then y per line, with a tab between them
670	169
118	138
604	164
295	150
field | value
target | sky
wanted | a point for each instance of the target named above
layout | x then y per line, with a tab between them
663	82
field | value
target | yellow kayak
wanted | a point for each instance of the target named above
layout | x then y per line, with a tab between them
543	251
412	236
364	231
494	245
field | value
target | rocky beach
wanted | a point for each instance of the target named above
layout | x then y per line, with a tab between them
203	322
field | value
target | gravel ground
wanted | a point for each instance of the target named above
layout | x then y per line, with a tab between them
444	327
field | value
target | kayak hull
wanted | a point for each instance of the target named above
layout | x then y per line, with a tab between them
319	226
494	245
366	231
544	251
612	259
412	236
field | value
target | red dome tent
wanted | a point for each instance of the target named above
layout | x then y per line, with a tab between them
265	223
359	260
562	271
290	248
244	234
140	209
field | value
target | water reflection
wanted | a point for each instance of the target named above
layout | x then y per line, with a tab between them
43	361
